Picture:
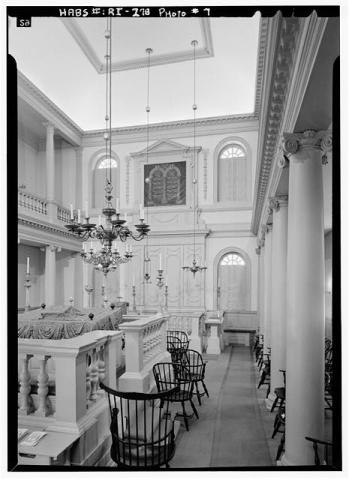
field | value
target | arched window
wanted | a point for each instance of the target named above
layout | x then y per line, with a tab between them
101	170
232	259
233	282
232	174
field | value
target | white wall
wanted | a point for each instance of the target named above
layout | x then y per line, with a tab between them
167	221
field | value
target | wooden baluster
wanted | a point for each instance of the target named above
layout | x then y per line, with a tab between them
88	378
94	375
26	401
101	366
44	406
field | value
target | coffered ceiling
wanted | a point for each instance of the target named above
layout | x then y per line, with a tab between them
64	59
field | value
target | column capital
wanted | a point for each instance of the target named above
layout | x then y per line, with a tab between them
49	126
52	248
309	139
276	202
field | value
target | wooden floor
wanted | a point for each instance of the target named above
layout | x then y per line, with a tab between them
231	431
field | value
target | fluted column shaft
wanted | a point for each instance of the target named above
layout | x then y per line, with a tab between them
50	275
50	173
260	252
278	298
267	289
305	297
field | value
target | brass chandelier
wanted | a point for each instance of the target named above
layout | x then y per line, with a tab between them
113	228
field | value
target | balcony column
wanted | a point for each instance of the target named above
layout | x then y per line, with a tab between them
278	208
50	173
267	229
50	275
78	287
305	295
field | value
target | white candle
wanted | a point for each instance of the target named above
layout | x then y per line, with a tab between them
103	281
133	280
141	212
160	262
86	209
117	205
166	282
99	220
71	212
125	217
79	213
28	263
91	245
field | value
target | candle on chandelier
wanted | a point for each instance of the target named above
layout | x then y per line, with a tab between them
125	217
28	263
79	217
71	212
86	209
117	205
141	212
91	245
99	220
160	262
133	281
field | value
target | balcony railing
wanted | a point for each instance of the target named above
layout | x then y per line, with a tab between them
36	205
32	202
59	380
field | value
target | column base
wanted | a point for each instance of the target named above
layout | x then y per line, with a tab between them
270	400
213	346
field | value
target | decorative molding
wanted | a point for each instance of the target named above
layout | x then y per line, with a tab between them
48	109
180	128
262	43
283	44
300	42
321	140
181	56
43	226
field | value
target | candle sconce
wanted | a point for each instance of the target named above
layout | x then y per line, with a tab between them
27	286
134	307
160	282
89	291
146	275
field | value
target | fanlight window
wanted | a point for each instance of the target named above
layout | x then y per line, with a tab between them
232	259
107	163
232	174
232	151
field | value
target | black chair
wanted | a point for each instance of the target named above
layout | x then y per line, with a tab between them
197	368
170	375
265	375
177	344
280	393
279	421
143	434
325	456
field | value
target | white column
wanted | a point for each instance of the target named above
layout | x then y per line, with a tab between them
50	173
50	275
305	296
260	252
278	205
78	179
78	280
267	287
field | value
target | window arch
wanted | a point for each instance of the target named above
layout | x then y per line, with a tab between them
100	171
232	174
232	259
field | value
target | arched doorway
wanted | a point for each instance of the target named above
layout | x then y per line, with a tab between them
233	281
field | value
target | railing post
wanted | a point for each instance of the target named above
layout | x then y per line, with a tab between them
44	408
26	401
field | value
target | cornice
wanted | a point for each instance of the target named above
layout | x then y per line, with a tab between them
47	227
271	158
262	44
48	109
283	37
179	128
